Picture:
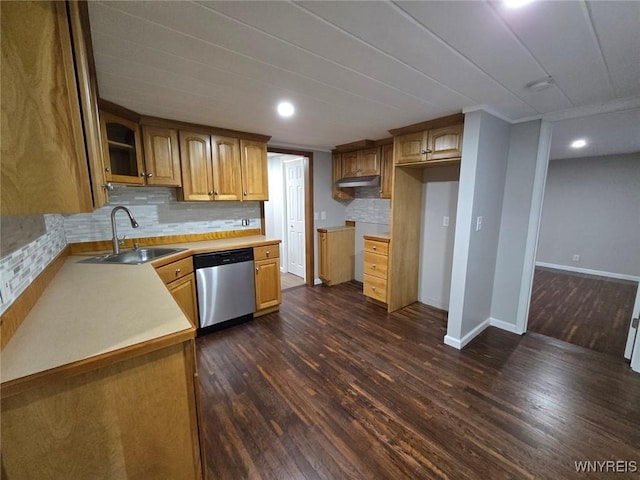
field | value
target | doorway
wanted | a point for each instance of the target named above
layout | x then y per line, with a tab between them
288	215
587	265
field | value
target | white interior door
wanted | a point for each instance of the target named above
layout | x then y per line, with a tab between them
294	188
632	348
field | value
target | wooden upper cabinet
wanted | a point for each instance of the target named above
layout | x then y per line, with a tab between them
227	175
410	148
336	174
361	163
386	171
255	184
195	160
436	145
445	142
44	164
161	156
122	149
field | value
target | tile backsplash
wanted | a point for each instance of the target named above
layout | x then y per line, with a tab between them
20	267
369	210
159	214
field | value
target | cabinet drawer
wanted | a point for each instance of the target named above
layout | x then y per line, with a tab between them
175	270
376	246
375	287
268	251
375	264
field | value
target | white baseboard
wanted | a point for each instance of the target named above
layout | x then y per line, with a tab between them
502	325
317	281
588	271
435	303
461	343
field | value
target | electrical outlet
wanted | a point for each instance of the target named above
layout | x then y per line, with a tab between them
576	257
445	221
478	224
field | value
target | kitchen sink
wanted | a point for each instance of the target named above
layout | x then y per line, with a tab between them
135	256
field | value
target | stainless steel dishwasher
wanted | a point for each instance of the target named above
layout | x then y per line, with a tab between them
225	286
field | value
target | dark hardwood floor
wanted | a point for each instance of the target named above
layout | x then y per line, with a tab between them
333	387
585	310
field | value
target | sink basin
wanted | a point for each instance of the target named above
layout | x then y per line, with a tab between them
134	257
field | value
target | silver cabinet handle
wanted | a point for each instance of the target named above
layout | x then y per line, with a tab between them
257	269
178	271
211	192
373	265
375	248
245	193
107	169
149	175
428	150
267	253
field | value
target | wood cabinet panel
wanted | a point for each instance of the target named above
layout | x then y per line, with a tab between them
369	162
336	174
336	255
386	171
445	143
376	246
408	148
174	270
131	419
161	156
195	160
266	252
375	287
255	184
227	175
350	164
376	268
375	264
44	164
183	291
122	149
267	278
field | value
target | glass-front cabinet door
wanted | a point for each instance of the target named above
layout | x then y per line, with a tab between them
123	150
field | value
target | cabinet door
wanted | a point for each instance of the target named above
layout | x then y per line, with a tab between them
409	148
323	257
255	183
44	165
184	293
350	164
267	279
369	162
195	160
336	169
122	149
445	143
227	180
161	156
386	171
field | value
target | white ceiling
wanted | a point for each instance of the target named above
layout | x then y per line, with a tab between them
354	70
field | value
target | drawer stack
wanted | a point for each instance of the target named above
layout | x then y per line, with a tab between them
376	263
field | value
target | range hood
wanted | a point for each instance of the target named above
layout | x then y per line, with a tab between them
366	181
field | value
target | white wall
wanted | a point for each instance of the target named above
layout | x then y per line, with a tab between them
439	200
517	203
274	208
482	178
592	209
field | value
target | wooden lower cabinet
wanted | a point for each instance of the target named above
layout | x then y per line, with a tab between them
132	418
376	265
267	279
180	280
336	252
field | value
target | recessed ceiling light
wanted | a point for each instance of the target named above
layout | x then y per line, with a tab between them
516	3
578	143
285	109
539	85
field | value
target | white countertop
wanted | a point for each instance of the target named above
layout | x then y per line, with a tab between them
93	309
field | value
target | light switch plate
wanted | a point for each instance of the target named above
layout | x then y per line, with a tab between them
445	221
478	224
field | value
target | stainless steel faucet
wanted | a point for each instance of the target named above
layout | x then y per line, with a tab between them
115	240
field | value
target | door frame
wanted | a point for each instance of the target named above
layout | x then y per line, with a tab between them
285	162
307	164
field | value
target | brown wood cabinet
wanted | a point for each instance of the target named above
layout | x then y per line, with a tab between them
267	278
161	156
336	174
227	172
440	145
197	169
122	147
44	164
386	171
180	280
375	271
361	163
336	252
255	184
222	168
